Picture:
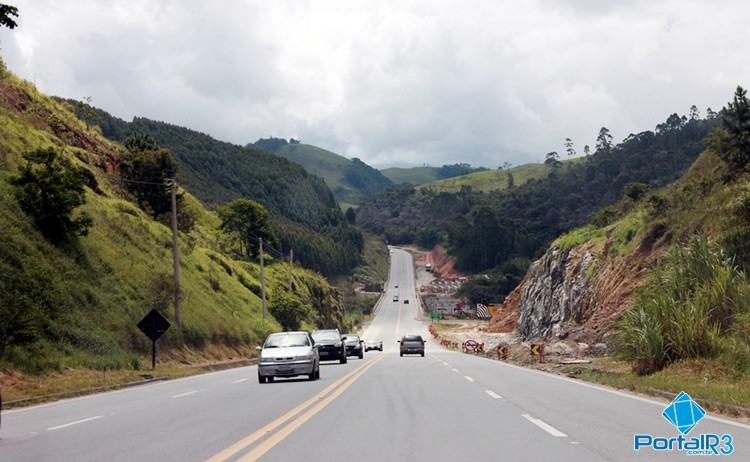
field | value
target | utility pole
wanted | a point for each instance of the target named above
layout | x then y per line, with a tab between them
262	279
176	257
289	269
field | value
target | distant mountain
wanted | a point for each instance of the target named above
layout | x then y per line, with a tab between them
303	208
421	175
351	180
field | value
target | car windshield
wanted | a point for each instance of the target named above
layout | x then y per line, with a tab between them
412	338
352	338
328	335
286	340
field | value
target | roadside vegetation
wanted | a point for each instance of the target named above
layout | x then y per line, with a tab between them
86	253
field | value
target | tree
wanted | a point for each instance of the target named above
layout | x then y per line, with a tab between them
48	189
694	114
635	191
351	215
7	13
586	150
604	140
552	159
147	171
569	149
248	220
710	114
511	181
733	143
289	311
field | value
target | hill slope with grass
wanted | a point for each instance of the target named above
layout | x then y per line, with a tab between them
416	176
351	180
492	180
303	208
75	304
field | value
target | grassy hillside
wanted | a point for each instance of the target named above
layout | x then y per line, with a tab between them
80	301
420	175
490	180
351	180
215	172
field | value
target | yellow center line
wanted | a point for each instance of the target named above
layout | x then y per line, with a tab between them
276	423
277	437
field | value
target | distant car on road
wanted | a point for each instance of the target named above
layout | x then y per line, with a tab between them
406	301
373	345
412	344
330	345
288	354
354	346
395	298
395	286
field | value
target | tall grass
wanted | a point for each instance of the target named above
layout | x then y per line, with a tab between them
696	306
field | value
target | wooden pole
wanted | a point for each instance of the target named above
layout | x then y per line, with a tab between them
289	269
176	258
262	279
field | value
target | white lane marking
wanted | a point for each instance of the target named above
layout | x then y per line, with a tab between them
602	388
70	424
455	370
240	380
470	379
445	363
187	393
493	394
545	426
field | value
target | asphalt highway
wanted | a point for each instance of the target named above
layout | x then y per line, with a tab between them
447	406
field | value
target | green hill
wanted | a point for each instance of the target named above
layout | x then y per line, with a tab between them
216	171
352	181
420	175
490	180
76	304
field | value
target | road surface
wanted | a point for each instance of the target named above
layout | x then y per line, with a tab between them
446	406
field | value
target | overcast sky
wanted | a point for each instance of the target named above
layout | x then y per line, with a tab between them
394	83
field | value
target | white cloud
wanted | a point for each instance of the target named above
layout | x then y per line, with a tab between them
392	82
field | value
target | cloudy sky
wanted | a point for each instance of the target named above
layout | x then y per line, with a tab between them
392	82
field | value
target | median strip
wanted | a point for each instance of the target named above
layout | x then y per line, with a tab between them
278	422
275	439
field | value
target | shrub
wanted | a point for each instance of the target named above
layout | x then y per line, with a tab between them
289	311
49	189
695	301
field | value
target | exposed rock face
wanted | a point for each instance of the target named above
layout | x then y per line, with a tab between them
553	292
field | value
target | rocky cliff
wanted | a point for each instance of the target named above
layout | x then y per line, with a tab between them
579	292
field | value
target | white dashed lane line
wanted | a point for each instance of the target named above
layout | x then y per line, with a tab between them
187	393
76	422
545	426
470	379
240	380
493	394
456	370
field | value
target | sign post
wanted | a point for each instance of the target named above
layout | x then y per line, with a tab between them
154	325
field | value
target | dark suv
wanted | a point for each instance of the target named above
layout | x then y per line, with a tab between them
412	345
354	346
330	345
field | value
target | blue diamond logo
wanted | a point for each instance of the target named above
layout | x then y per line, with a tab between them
684	413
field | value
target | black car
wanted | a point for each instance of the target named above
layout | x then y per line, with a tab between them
412	345
354	346
330	345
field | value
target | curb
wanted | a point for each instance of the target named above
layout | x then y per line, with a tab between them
23	402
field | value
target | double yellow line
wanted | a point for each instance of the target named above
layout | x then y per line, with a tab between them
315	405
